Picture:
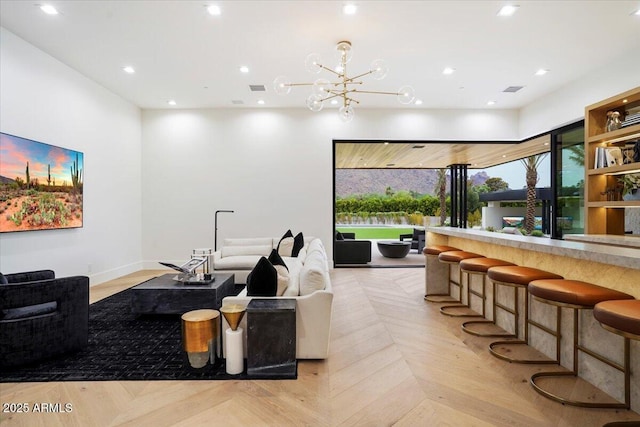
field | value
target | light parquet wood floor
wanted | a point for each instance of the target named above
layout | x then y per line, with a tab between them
394	360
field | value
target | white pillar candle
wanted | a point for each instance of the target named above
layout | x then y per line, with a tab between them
233	351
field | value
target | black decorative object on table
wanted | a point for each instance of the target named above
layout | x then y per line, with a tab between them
123	346
271	338
394	249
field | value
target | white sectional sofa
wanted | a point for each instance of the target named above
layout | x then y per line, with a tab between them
309	286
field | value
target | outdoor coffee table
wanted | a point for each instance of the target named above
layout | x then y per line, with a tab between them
165	295
394	248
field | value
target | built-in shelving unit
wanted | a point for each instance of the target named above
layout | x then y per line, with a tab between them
603	216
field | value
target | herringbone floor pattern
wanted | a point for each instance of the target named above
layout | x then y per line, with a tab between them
394	360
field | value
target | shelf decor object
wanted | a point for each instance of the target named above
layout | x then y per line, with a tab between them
344	87
610	160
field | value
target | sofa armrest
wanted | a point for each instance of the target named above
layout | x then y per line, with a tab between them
313	322
30	276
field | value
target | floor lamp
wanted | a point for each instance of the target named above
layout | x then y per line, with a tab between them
215	233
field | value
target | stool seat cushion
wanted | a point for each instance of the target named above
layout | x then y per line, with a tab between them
457	256
623	315
438	249
481	265
519	275
574	292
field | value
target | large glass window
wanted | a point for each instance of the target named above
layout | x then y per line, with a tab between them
569	180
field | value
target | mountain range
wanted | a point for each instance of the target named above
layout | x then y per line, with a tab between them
376	181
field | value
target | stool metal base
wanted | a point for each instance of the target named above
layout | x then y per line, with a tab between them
574	373
567	401
499	355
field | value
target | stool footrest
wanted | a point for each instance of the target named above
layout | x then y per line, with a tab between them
465	327
441	298
567	401
444	311
499	355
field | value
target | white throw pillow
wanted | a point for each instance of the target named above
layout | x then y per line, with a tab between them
286	247
283	279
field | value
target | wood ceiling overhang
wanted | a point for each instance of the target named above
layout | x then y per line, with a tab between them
434	154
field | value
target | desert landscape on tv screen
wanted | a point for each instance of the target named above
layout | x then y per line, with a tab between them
40	185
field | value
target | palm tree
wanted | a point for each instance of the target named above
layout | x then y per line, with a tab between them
531	164
441	189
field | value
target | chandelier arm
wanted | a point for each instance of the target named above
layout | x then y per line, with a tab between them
361	75
376	92
298	84
330	70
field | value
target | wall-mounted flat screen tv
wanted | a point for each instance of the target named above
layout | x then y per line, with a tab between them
40	185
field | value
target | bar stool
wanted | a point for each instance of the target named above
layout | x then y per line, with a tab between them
621	317
576	295
454	258
517	278
436	274
479	266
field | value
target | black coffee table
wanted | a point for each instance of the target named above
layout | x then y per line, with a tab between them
394	248
165	295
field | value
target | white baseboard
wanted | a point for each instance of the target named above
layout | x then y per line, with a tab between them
105	276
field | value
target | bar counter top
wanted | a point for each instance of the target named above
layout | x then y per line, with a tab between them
629	241
627	257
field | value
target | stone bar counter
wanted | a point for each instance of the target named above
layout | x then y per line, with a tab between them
615	267
603	263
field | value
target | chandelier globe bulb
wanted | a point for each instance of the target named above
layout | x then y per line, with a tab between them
313	63
406	95
346	113
282	85
314	103
379	69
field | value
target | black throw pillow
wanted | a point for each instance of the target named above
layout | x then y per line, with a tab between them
276	259
298	243
263	280
339	236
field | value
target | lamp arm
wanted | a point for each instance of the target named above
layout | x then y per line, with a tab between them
215	231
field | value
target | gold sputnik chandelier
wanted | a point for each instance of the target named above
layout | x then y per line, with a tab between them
343	87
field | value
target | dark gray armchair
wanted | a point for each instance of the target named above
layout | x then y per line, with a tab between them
41	316
417	239
347	250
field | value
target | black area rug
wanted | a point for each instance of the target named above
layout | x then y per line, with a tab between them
122	347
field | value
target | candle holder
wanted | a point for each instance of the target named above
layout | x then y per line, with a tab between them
233	314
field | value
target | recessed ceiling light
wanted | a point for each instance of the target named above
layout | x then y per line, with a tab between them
244	69
546	143
128	69
386	143
541	72
349	9
48	9
504	156
447	71
508	10
624	101
418	102
261	101
491	102
171	102
214	10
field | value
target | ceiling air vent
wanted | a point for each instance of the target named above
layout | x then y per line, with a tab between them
257	88
237	102
390	164
418	146
513	89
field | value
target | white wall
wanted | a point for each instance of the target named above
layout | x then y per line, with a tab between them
566	105
273	167
44	100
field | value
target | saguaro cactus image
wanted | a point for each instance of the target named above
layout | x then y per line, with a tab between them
76	175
